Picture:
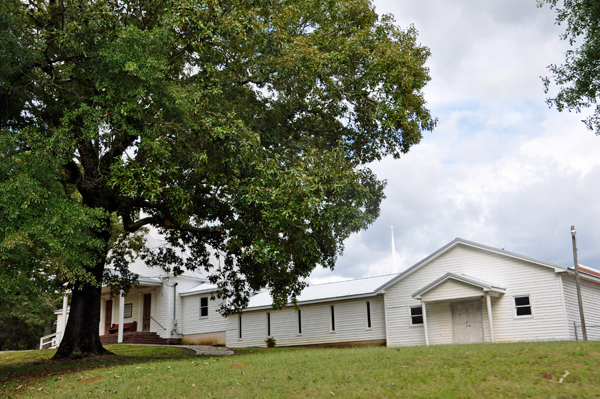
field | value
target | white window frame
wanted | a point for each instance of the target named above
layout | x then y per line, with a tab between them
128	309
299	322
207	303
410	316
368	315
239	327
514	304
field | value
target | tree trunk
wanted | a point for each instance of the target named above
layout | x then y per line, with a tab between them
82	333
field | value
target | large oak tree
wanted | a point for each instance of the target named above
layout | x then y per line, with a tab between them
579	76
241	129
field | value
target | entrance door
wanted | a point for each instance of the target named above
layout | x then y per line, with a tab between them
146	315
467	322
107	316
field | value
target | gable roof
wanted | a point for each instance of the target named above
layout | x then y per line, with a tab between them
462	278
459	241
202	288
328	291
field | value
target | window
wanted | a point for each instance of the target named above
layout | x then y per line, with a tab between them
240	327
522	306
416	315
332	318
127	310
204	306
368	304
299	321
268	324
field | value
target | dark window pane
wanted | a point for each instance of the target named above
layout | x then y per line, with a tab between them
368	314
332	319
522	301
417	319
204	312
524	311
203	301
416	311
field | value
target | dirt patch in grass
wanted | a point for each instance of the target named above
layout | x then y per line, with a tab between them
237	365
93	379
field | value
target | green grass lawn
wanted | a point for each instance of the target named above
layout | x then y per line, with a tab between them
466	371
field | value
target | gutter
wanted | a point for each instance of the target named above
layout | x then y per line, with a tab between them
324	300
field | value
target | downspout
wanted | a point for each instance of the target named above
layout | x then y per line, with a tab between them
174	329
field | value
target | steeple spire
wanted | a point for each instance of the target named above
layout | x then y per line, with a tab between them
394	267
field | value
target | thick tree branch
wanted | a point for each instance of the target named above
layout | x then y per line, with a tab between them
131	226
73	173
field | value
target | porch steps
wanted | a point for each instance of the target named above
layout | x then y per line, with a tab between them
139	337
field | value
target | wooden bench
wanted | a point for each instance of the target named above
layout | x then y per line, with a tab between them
127	327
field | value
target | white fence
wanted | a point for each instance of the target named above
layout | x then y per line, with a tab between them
50	341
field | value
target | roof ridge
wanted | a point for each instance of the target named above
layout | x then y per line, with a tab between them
354	279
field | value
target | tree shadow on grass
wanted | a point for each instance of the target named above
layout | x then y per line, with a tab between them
21	371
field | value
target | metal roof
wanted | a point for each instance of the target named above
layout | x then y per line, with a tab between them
202	288
321	292
154	241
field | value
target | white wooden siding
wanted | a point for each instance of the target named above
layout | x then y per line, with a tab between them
590	295
194	324
452	289
350	324
519	278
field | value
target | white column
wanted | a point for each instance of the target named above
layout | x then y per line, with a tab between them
425	323
121	316
140	311
488	301
64	317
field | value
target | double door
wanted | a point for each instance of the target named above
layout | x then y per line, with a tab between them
467	322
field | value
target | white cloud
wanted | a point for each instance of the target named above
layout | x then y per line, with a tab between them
501	168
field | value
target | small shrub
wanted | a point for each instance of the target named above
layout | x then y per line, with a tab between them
270	342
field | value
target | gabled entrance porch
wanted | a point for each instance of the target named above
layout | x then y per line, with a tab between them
464	296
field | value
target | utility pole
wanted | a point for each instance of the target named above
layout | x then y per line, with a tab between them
578	284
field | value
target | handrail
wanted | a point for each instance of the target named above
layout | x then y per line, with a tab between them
158	323
52	340
49	335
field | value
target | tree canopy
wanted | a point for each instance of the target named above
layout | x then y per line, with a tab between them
579	76
239	129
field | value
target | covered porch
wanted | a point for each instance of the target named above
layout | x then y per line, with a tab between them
461	309
125	316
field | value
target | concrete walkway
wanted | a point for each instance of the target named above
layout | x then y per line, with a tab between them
201	350
205	350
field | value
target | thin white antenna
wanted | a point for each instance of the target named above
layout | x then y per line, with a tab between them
394	268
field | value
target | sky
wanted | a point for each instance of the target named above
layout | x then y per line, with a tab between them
501	168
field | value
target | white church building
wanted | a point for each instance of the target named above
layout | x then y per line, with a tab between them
462	293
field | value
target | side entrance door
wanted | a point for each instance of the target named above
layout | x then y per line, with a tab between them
107	316
467	322
146	314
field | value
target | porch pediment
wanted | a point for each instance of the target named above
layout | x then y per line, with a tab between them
457	286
